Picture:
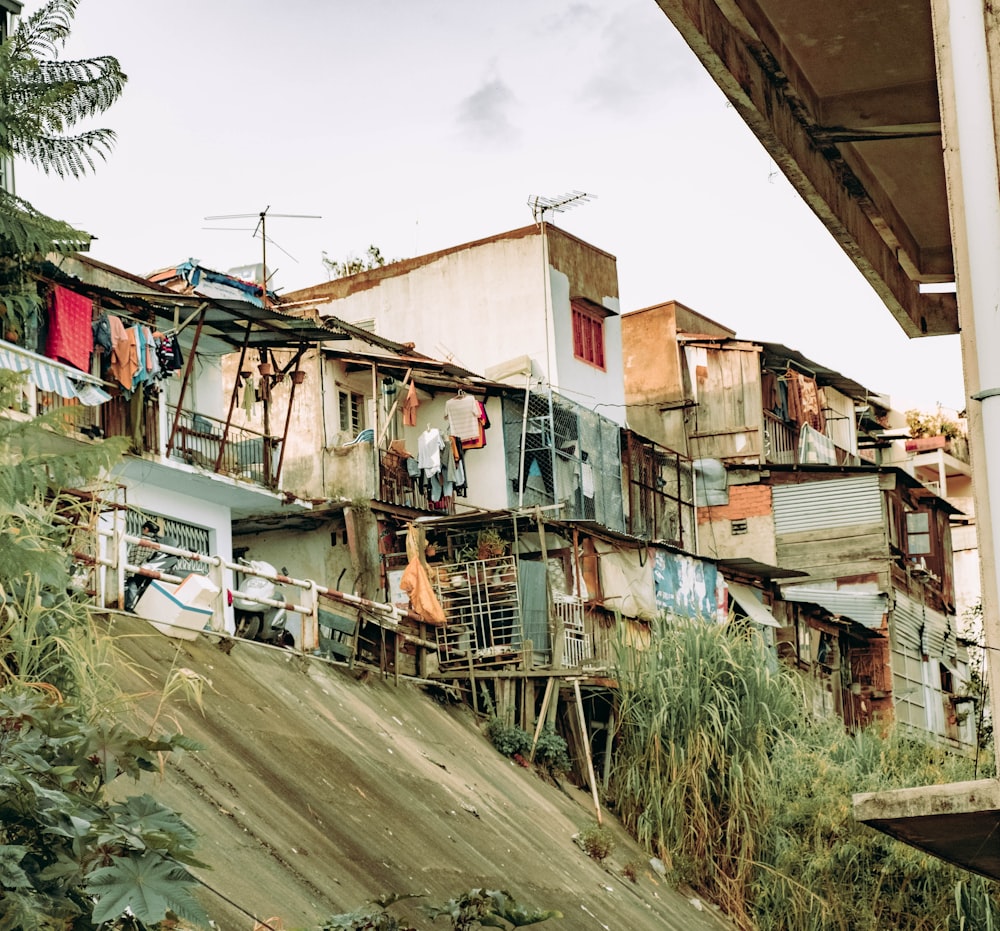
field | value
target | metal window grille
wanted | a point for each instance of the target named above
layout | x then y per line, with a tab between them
576	642
187	537
483	610
572	457
660	490
352	412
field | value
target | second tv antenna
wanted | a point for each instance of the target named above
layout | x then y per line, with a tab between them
541	205
261	226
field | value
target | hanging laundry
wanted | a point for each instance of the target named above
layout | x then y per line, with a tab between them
142	336
410	405
460	482
168	350
463	416
483	424
71	335
429	446
249	395
124	354
101	329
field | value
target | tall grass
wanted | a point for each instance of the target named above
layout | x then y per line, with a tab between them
47	636
719	772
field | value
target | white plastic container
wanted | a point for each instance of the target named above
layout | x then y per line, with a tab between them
198	591
160	606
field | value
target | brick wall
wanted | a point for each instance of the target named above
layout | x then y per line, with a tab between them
744	501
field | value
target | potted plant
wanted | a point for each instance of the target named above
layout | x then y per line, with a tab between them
489	544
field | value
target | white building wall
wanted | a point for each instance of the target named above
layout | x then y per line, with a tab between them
576	380
487	304
485	469
476	307
213	517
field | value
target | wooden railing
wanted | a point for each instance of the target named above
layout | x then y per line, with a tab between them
397	486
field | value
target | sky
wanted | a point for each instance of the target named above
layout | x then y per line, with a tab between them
417	126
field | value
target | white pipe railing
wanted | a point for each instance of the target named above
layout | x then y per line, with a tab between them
386	615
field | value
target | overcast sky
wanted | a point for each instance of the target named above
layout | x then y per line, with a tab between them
417	126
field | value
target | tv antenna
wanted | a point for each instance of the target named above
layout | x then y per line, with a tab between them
541	205
261	227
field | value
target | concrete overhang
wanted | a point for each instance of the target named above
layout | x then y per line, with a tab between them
844	98
244	499
958	822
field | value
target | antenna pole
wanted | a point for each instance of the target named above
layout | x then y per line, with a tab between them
263	256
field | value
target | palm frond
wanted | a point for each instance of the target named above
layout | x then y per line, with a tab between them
24	231
43	32
64	92
66	156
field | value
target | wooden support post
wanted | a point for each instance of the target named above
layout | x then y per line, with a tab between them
504	705
527	704
541	716
396	650
586	748
610	735
555	628
472	679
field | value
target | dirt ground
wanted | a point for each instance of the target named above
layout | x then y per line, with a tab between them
320	788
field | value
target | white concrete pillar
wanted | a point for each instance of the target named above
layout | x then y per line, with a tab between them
968	63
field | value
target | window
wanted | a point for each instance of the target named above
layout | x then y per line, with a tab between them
352	411
918	533
588	335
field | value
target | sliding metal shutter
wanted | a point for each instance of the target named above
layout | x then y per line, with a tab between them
841	502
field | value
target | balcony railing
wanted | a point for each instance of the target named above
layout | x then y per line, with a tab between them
198	440
482	606
397	486
782	444
238	451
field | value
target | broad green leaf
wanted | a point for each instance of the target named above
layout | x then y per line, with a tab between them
147	884
12	875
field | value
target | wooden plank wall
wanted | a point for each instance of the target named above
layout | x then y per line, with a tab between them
835	553
727	420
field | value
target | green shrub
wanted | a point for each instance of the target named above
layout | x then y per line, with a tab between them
510	740
551	752
597	842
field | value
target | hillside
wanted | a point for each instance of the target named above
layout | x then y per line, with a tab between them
320	788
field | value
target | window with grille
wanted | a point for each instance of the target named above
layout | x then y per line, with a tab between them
588	335
175	533
352	411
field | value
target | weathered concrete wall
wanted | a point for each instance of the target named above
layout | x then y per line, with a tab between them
318	791
653	376
484	303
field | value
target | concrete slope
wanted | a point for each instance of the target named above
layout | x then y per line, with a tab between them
319	789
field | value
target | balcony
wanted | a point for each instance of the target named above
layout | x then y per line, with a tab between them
660	491
790	444
204	442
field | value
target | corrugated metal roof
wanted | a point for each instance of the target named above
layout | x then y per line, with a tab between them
758	612
922	628
865	608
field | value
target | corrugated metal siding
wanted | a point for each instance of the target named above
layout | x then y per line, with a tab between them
922	628
840	502
865	608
